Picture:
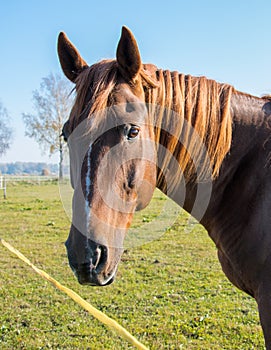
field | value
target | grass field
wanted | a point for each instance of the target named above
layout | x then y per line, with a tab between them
170	293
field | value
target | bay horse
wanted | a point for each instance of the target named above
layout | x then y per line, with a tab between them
134	127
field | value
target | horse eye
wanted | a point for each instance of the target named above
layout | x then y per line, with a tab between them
133	132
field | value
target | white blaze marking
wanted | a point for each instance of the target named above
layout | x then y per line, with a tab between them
88	183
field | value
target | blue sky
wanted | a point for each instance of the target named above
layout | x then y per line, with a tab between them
226	41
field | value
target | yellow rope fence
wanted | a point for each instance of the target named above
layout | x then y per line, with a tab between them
91	309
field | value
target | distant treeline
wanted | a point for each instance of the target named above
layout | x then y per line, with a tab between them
30	168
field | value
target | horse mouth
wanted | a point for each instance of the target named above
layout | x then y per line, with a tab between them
86	276
92	280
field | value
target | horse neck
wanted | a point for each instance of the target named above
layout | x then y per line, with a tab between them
247	165
250	136
249	130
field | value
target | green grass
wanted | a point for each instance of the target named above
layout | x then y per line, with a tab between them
170	293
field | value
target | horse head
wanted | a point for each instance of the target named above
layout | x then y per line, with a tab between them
112	155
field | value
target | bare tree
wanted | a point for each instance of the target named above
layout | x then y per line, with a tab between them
5	130
52	103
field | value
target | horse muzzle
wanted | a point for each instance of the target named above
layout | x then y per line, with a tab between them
90	261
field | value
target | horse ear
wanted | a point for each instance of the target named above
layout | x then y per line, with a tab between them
71	62
128	56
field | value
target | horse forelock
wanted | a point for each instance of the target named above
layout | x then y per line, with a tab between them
94	87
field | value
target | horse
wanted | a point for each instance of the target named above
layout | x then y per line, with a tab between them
134	127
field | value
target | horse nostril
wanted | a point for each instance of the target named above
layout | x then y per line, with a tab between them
99	258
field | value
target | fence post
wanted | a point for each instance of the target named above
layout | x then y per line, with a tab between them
5	187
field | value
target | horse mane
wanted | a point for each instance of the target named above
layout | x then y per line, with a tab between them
203	103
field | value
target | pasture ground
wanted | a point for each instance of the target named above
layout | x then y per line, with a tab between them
170	293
